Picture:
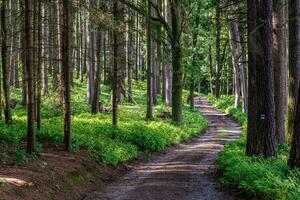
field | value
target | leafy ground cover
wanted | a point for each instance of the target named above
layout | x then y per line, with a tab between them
256	176
105	143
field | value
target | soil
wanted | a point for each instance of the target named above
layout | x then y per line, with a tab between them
55	175
186	171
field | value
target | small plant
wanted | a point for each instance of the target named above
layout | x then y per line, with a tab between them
20	156
42	166
3	157
77	178
2	183
223	134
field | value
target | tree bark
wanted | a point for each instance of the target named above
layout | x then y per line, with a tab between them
96	97
280	78
29	76
218	39
66	72
177	83
265	79
294	62
294	159
149	114
7	112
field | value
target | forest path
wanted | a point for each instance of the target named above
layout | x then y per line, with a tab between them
184	173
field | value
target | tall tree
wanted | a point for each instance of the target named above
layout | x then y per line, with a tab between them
29	49
65	76
5	71
261	124
177	84
253	146
280	78
294	61
218	47
149	114
39	67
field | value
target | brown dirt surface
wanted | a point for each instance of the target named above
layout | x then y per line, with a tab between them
55	174
187	172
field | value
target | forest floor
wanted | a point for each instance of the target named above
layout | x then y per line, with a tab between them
185	172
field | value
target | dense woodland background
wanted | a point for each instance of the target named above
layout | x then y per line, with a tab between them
139	63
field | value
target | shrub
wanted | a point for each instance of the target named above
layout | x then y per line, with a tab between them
256	176
107	144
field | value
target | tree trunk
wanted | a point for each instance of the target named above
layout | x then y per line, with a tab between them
29	76
129	56
294	61
168	56
280	78
7	112
118	55
177	84
39	67
218	39
192	81
95	101
237	42
236	81
149	114
294	159
65	72
265	79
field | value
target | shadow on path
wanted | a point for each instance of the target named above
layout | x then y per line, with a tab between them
185	173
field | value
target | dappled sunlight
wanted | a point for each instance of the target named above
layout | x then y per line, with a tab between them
14	181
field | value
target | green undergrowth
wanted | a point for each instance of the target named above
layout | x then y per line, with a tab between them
107	144
255	176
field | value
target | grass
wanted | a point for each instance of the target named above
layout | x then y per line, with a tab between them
76	178
105	143
3	183
255	176
223	135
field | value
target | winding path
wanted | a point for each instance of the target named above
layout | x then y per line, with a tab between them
185	173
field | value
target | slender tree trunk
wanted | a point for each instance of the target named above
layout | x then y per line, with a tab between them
149	114
211	84
46	65
177	84
192	81
29	76
39	67
95	101
116	63
218	42
65	72
253	145
168	56
129	57
7	112
236	81
237	42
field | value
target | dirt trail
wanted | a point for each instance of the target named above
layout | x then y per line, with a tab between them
185	173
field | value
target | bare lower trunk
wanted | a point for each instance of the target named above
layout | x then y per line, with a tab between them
280	78
5	71
29	76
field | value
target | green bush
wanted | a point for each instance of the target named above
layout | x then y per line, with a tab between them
256	176
259	177
107	144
